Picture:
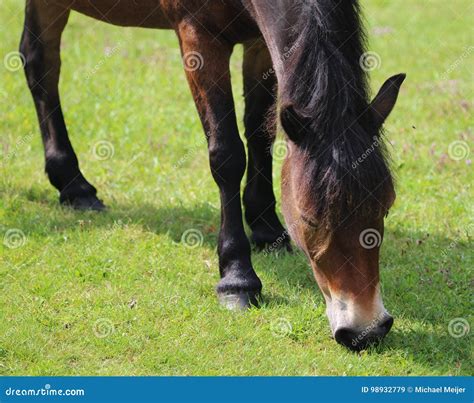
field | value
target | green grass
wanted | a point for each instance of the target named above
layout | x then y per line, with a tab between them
127	276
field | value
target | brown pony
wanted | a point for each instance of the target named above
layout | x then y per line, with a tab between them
336	183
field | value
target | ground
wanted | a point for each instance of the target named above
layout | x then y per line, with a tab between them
131	291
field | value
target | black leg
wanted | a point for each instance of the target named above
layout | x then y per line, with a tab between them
260	97
211	87
40	45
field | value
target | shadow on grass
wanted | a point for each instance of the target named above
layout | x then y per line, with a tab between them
425	278
172	221
436	350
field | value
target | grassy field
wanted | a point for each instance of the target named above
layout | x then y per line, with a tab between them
127	292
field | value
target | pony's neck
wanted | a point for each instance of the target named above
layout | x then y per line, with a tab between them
316	48
275	22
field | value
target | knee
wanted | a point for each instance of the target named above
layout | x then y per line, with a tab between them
227	162
257	200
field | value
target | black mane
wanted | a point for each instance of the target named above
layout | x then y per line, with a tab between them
325	111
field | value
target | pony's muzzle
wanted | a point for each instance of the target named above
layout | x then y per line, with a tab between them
358	340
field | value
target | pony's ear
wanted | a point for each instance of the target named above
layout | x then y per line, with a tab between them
294	125
385	100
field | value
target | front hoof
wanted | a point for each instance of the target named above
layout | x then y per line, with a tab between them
238	302
81	197
86	203
238	291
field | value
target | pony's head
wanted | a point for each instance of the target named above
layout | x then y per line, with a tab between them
336	191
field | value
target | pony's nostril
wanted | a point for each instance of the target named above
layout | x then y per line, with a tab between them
346	337
358	341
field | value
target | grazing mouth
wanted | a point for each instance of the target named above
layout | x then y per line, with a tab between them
357	341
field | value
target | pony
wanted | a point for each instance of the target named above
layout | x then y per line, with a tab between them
303	70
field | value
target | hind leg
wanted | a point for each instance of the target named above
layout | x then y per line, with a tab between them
40	45
260	98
